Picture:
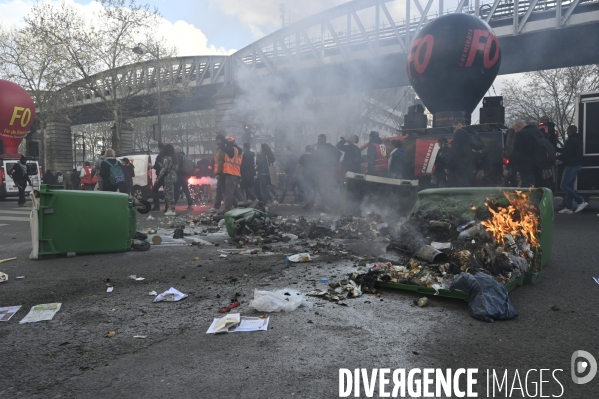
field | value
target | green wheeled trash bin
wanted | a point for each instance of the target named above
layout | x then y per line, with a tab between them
80	222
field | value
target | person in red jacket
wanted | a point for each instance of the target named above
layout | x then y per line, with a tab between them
377	156
89	177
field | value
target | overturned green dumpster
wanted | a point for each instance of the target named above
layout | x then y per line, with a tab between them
80	222
504	232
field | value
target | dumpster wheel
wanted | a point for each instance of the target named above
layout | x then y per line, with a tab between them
139	245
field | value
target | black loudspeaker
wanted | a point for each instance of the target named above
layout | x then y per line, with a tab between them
33	149
489	102
494	114
415	121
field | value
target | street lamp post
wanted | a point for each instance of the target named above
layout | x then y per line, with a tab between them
139	50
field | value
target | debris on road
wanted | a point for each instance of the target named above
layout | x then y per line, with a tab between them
7	312
234	322
20	277
230	307
7	260
3	277
41	312
170	295
338	292
140	336
152	293
110	334
487	299
298	258
134	277
596	279
269	301
109	289
422	302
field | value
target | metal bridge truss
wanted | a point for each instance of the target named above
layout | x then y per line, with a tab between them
358	30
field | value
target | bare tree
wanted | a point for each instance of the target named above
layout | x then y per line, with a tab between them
102	45
550	92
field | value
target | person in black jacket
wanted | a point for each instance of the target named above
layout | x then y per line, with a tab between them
521	158
290	166
75	180
248	172
548	129
129	172
571	156
443	156
21	178
159	182
182	179
352	156
462	161
326	157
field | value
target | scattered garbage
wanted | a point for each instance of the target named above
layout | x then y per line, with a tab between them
441	245
170	295
234	322
20	277
339	291
140	336
298	258
324	280
134	277
150	217
152	293
109	289
110	334
156	240
487	299
230	307
71	254
422	302
555	307
7	312
247	221
178	233
7	260
222	256
269	301
596	279
3	277
41	312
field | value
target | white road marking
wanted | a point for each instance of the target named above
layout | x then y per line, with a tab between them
21	212
13	218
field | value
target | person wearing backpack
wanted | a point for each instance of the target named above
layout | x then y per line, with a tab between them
111	172
571	156
129	171
185	169
168	174
466	153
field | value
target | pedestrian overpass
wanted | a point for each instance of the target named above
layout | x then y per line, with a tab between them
359	45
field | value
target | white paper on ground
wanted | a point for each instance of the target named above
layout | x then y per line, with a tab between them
8	312
170	295
109	289
134	277
246	324
41	312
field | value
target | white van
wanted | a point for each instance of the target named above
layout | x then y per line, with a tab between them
8	187
145	176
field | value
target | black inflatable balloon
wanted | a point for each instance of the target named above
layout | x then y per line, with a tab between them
452	62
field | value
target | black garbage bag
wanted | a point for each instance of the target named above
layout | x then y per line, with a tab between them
488	300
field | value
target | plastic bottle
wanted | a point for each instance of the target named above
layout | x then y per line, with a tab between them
466	225
299	258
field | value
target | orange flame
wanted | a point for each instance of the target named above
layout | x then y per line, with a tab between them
519	218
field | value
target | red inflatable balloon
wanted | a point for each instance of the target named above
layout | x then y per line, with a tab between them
17	113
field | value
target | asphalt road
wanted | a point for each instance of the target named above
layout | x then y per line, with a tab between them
301	353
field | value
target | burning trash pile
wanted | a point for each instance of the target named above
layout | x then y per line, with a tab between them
448	236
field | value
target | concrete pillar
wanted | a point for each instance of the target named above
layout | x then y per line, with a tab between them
230	118
59	147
